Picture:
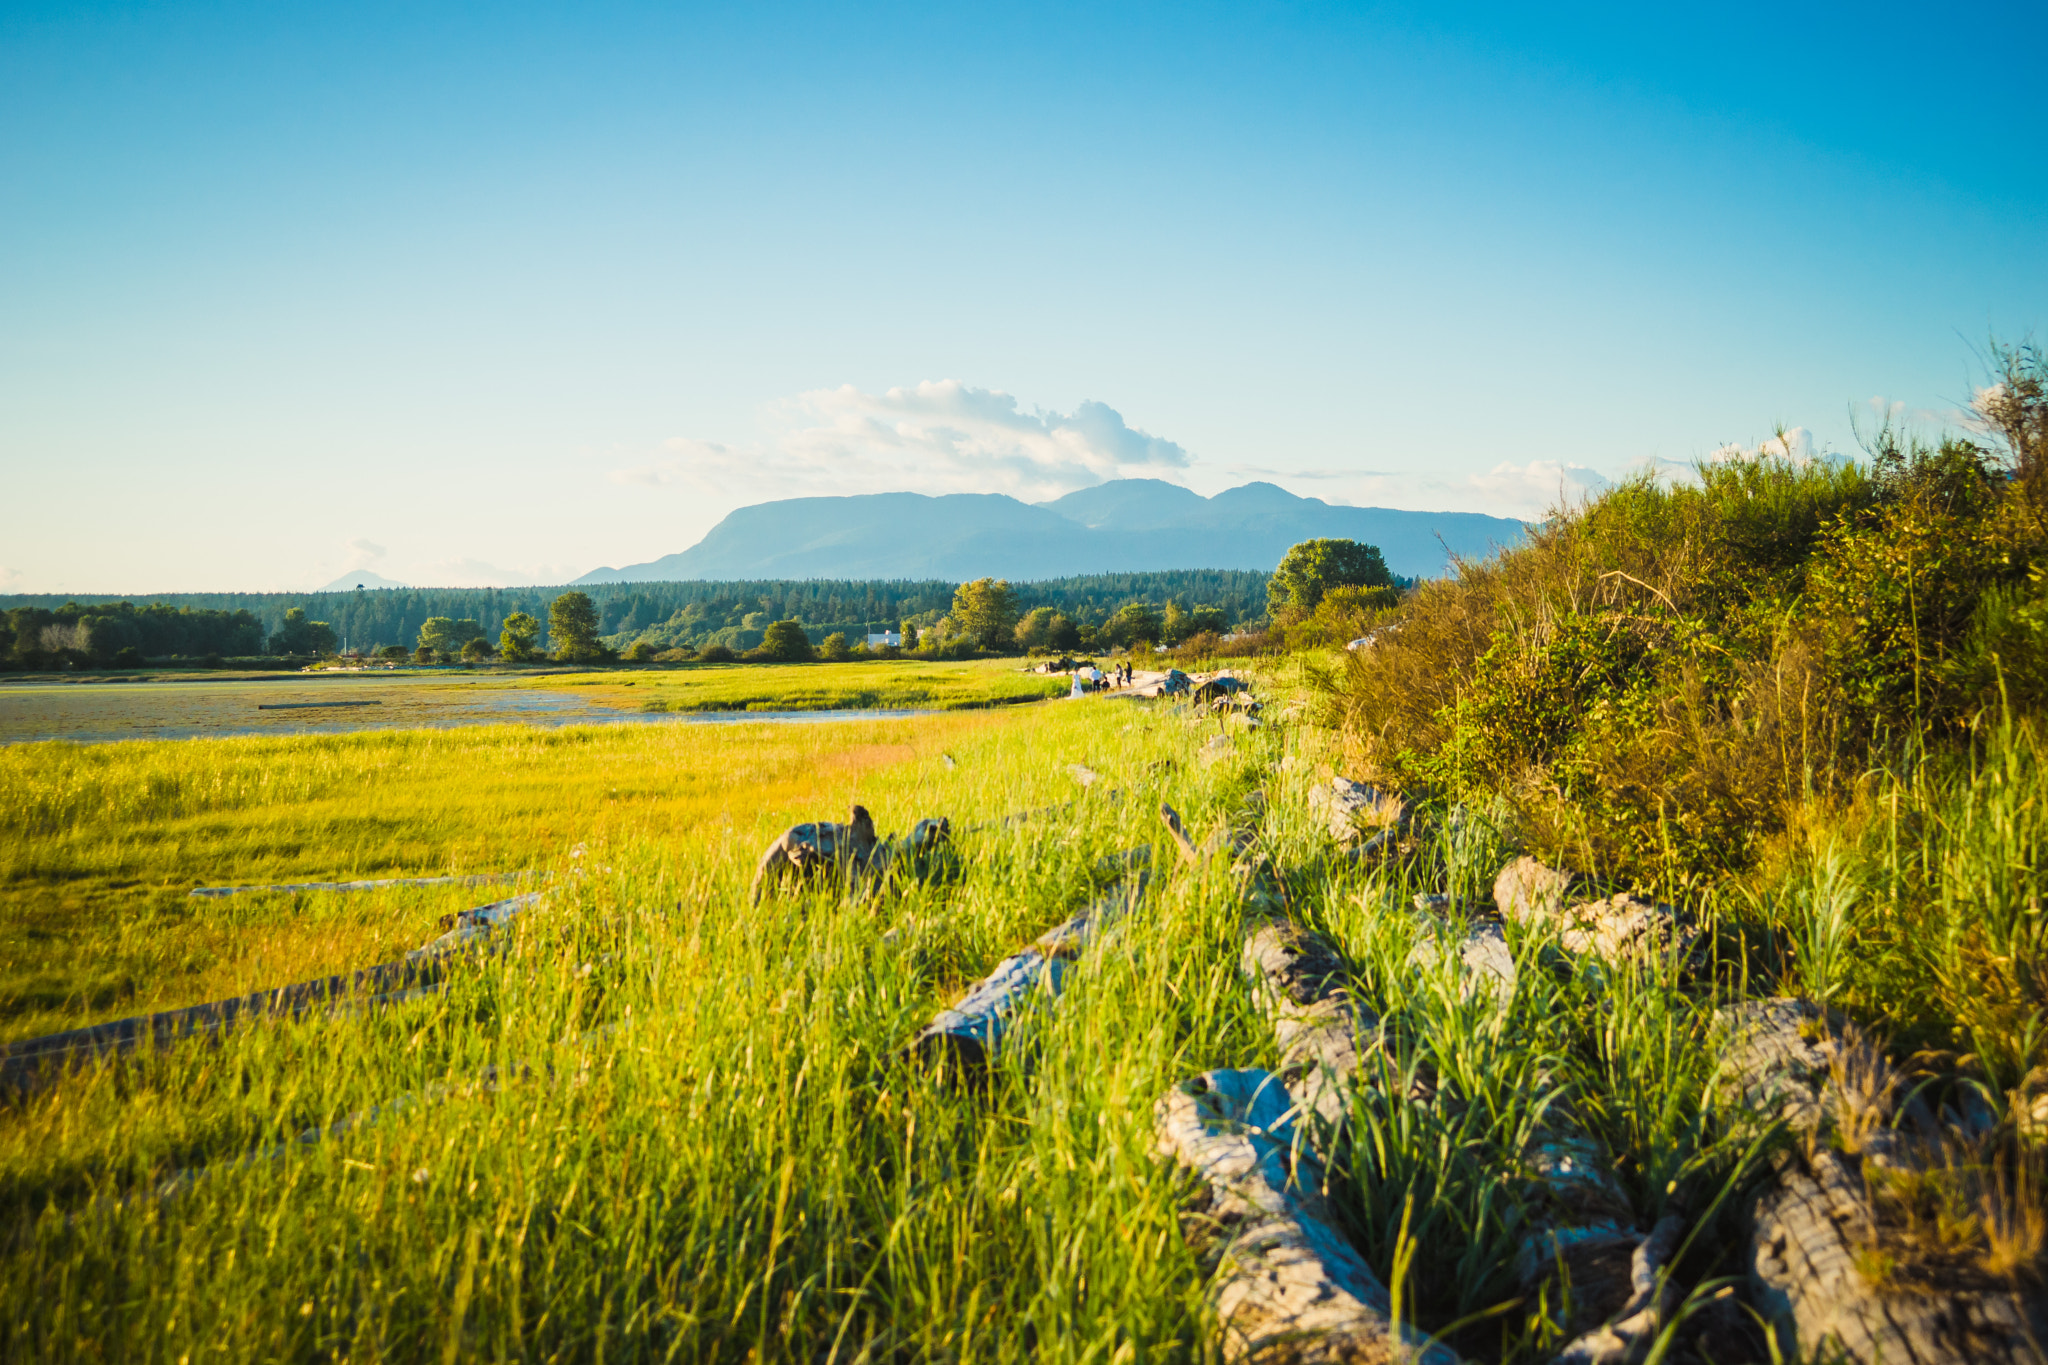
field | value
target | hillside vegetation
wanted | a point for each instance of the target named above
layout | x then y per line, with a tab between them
1824	683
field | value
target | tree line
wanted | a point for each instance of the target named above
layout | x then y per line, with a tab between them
691	616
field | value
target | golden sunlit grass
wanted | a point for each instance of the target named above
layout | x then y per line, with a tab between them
901	684
101	844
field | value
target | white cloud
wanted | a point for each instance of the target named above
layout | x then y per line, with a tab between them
362	554
939	437
9	578
1791	443
1532	489
476	573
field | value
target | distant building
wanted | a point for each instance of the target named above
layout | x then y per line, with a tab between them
888	637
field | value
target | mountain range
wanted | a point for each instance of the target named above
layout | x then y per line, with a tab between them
1123	526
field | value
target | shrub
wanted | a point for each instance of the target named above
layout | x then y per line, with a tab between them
640	652
1654	679
716	654
835	648
784	642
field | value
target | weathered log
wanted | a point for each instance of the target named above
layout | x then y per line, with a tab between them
30	1063
1288	1286
1785	1060
481	879
1302	986
970	1032
816	849
1638	1320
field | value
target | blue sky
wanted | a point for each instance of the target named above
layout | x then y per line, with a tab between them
496	294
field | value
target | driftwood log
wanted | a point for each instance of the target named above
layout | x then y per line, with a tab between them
31	1063
1288	1287
1814	1226
969	1033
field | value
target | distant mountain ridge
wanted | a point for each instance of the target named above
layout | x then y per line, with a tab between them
361	578
1124	526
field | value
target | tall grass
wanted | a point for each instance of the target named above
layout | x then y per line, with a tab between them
662	1127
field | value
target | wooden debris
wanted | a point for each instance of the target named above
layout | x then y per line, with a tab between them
970	1032
1785	1060
1288	1286
1637	1321
1301	984
803	852
482	879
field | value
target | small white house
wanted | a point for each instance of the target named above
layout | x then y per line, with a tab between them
887	637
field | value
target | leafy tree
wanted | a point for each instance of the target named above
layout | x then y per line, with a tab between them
1206	619
445	636
476	651
572	625
640	652
784	642
519	640
392	652
1135	624
717	654
1314	567
424	655
297	635
1045	628
909	636
985	611
835	649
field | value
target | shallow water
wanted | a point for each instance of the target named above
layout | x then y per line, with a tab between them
297	705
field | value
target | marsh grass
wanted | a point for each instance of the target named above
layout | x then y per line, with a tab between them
660	1126
101	844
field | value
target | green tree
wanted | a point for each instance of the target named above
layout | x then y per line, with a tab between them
1045	628
985	611
476	650
446	636
519	640
1135	624
297	635
835	649
909	637
572	626
784	642
1314	567
641	651
393	653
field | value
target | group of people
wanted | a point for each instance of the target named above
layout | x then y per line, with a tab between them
1091	679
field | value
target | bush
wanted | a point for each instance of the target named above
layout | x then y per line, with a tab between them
1653	680
640	652
835	649
476	650
128	656
784	642
716	654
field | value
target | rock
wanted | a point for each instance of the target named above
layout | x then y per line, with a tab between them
1527	890
1353	809
1219	746
1622	927
1483	952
